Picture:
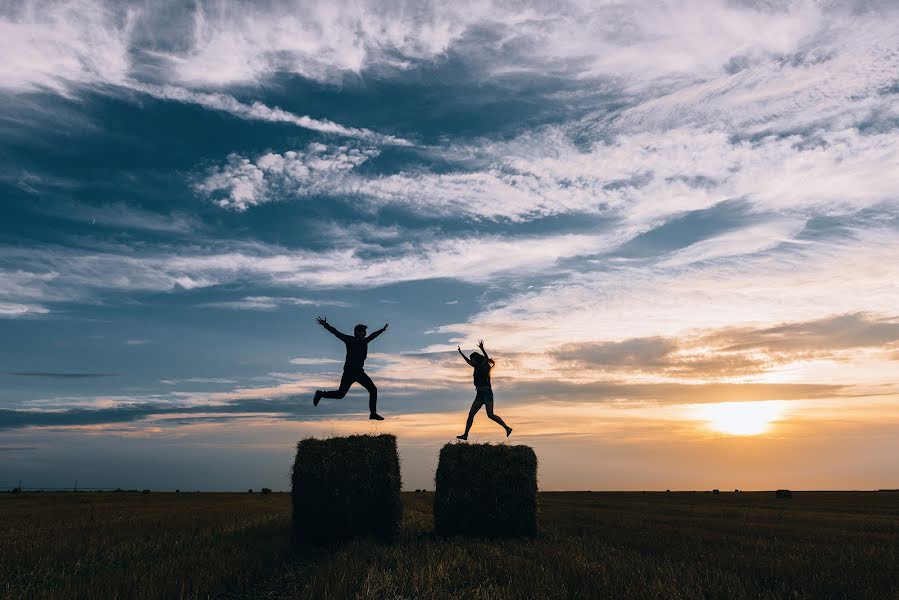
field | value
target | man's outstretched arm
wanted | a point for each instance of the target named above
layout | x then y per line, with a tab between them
323	321
377	333
459	348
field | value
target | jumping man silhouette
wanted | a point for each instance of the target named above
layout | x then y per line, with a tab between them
353	371
484	397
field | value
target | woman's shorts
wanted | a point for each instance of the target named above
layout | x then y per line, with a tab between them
484	397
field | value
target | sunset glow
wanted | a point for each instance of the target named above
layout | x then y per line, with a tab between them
741	418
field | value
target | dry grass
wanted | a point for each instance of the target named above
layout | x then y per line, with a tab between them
129	545
596	545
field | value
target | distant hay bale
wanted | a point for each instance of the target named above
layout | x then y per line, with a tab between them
783	494
486	489
716	491
265	491
346	487
250	491
145	492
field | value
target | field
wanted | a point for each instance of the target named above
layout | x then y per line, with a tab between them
591	545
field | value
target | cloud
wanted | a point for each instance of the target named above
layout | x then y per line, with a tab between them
242	183
625	299
837	74
734	351
136	342
747	240
319	41
638	352
838	332
120	215
53	274
17	309
261	112
270	303
198	380
314	361
279	404
672	63
56	44
546	174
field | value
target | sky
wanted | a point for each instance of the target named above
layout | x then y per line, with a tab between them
674	223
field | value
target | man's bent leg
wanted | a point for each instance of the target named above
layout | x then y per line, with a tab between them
345	382
366	382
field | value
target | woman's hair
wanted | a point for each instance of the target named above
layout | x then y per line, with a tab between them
478	358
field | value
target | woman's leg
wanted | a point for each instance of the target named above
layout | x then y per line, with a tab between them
475	407
488	402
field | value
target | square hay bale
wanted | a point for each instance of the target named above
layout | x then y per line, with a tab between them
486	489
346	487
783	494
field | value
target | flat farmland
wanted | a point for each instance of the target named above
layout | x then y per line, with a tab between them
591	545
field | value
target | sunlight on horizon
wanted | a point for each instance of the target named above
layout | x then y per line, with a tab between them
741	418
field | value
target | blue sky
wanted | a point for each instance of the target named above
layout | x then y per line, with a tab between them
644	208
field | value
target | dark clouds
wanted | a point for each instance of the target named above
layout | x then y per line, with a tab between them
511	392
51	375
856	330
735	351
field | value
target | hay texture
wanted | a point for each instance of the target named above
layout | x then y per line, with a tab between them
485	489
346	487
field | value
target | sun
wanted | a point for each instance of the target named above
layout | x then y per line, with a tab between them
741	418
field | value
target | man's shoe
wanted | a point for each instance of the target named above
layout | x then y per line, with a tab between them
375	417
508	431
462	437
316	397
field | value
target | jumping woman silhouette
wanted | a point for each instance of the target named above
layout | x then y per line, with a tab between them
482	365
353	371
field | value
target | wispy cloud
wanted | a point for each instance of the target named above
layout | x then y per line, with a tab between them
270	303
691	169
121	215
17	309
57	375
314	361
261	112
64	275
53	45
630	299
280	403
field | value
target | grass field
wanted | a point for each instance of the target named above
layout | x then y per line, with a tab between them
592	545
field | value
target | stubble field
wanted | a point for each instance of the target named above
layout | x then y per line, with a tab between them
591	545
